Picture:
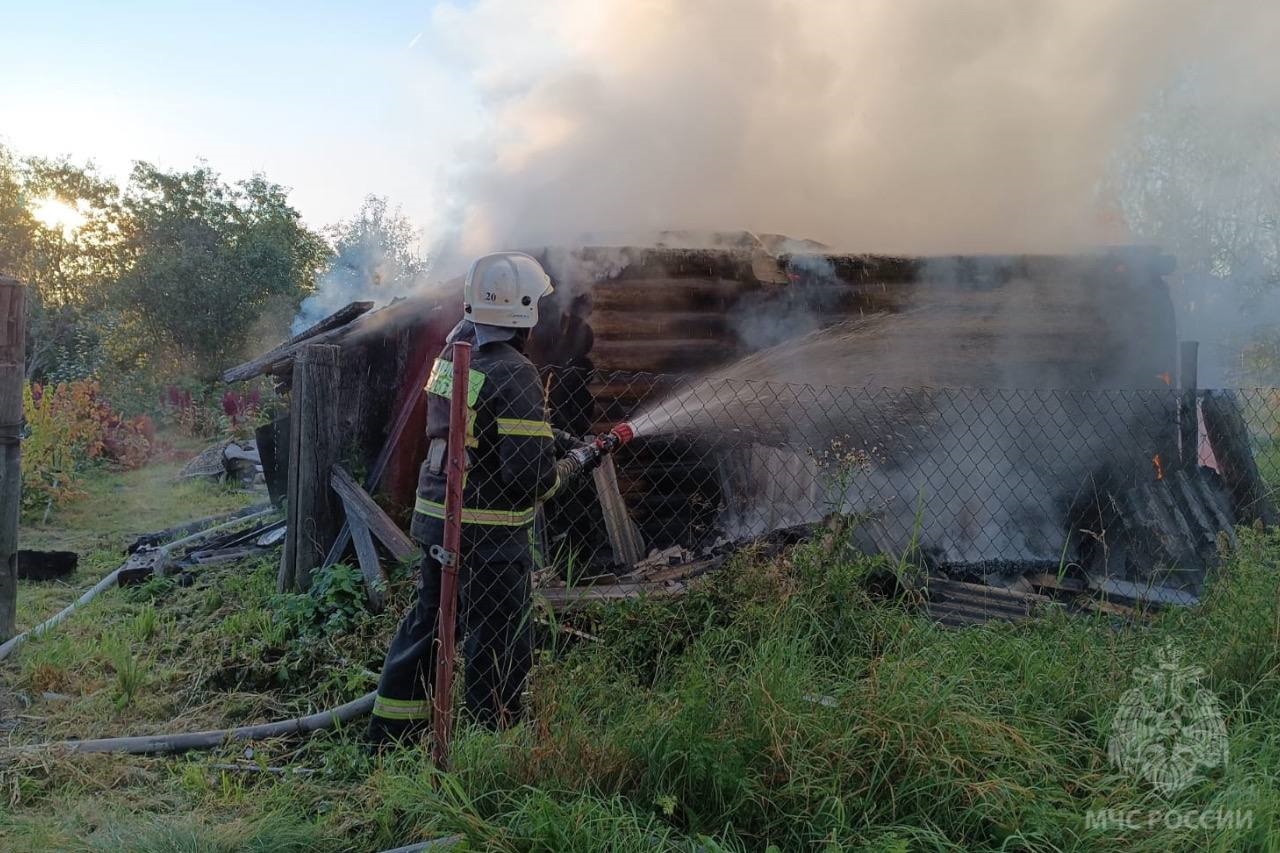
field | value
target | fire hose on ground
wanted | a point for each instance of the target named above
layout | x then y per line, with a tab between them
183	741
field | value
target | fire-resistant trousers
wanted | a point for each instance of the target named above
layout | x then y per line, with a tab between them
494	617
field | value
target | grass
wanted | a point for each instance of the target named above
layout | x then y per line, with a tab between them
1268	458
118	507
777	706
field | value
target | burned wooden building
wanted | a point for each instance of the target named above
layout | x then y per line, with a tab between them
942	340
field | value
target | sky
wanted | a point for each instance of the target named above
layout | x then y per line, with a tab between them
335	100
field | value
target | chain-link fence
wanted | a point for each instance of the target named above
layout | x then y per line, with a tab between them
983	485
996	499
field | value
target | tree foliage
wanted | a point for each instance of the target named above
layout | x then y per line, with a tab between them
165	277
205	258
1198	178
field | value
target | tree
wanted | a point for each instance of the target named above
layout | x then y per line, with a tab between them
16	223
204	259
1198	178
64	261
375	257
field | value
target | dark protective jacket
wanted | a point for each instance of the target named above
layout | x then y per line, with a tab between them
511	462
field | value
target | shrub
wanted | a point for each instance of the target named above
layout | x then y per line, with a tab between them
201	411
70	427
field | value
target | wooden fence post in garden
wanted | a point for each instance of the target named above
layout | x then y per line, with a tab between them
13	298
313	511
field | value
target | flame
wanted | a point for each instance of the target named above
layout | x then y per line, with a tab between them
1155	460
1166	378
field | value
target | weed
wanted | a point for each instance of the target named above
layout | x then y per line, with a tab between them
338	591
145	623
152	590
130	671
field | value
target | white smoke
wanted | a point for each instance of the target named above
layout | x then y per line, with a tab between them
899	125
375	259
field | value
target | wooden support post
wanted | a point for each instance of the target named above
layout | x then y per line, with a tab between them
624	539
13	338
315	441
365	522
1229	437
1188	414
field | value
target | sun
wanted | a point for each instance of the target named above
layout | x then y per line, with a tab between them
55	214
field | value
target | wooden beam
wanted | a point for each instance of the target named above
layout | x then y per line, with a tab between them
13	324
360	507
673	580
624	538
568	598
320	332
375	580
315	442
1229	437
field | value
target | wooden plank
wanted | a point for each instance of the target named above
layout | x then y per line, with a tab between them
375	580
220	555
981	591
379	468
686	570
315	444
1229	437
673	581
13	295
359	506
1049	580
321	331
623	536
569	597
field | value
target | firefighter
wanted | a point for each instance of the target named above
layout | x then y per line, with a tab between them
511	467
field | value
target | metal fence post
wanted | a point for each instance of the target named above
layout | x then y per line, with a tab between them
1188	416
449	557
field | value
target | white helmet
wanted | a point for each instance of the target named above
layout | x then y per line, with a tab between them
503	289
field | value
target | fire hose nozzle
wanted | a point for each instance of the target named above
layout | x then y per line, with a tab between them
615	438
586	457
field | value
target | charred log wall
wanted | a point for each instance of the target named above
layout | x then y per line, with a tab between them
622	316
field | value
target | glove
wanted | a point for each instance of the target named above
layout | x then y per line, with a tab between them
565	441
588	456
577	462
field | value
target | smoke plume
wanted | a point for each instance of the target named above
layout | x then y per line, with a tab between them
900	125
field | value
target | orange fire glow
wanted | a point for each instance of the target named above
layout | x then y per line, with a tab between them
1155	460
1166	378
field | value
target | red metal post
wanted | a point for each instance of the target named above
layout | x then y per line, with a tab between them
442	701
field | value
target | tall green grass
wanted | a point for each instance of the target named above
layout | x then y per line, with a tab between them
779	707
775	706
